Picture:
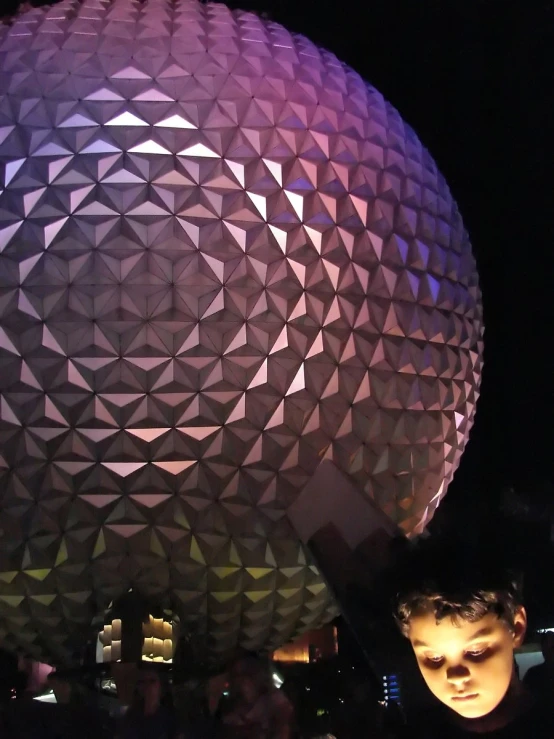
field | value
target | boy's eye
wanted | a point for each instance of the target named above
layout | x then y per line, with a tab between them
477	652
433	658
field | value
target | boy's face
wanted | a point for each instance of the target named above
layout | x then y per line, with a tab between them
467	666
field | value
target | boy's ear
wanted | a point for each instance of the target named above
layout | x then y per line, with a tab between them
520	626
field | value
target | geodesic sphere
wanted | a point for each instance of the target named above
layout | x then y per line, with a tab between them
224	258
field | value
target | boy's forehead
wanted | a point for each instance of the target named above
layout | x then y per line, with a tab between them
425	629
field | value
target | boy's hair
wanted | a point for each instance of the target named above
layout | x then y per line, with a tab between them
450	579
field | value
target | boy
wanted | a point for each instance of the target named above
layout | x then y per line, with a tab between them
464	618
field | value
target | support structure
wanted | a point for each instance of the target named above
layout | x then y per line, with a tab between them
352	542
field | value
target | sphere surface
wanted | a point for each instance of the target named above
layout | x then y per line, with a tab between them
224	258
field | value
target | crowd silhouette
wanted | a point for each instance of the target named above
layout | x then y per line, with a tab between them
463	619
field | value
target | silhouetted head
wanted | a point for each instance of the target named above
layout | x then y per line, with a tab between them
249	677
547	646
149	686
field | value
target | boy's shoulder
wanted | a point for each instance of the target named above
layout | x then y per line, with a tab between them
537	722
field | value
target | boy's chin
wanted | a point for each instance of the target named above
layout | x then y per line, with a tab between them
471	709
468	712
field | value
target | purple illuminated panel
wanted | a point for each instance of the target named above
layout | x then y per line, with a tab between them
223	258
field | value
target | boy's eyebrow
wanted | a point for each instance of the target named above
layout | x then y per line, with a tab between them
485	631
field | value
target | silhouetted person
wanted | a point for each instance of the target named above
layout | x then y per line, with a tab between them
256	709
147	717
69	717
361	715
540	679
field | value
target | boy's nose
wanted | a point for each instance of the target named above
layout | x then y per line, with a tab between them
457	675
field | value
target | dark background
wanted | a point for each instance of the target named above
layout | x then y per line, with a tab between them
475	79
